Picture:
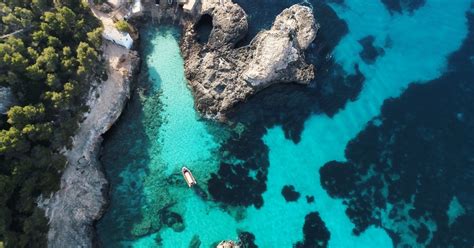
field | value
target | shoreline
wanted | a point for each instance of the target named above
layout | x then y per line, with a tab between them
83	196
81	199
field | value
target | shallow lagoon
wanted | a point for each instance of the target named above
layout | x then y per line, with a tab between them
160	131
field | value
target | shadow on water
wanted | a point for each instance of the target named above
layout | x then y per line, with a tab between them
200	192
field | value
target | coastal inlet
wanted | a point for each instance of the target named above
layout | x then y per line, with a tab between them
259	174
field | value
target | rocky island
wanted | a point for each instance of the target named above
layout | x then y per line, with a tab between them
222	75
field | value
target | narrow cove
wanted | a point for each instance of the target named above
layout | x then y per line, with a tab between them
151	206
159	132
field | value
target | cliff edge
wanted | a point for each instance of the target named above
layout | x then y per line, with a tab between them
81	199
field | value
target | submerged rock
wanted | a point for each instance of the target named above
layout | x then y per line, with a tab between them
370	53
247	239
315	232
195	242
290	193
221	75
172	220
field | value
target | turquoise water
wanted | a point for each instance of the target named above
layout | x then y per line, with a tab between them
160	131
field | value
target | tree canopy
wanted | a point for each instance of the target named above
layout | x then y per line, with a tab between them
49	58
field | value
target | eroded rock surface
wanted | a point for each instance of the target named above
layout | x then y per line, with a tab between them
221	75
81	199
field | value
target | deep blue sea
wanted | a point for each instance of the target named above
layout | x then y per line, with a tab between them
377	152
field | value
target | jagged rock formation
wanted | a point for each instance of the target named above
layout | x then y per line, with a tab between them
221	75
81	199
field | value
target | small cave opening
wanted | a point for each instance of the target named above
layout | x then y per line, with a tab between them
203	28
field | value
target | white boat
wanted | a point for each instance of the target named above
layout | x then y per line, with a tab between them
188	176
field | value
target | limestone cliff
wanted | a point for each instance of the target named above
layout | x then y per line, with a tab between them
80	201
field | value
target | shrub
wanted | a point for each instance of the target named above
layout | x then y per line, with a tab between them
123	26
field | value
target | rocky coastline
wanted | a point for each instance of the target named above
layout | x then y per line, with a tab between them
222	75
81	199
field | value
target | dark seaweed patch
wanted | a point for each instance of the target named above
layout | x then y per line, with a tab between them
370	53
289	193
421	154
398	6
336	178
233	185
242	183
195	242
172	219
337	88
340	2
422	234
309	199
247	240
125	200
315	232
334	86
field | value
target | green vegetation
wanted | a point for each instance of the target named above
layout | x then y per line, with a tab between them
123	26
49	65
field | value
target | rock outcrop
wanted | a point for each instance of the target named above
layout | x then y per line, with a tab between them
81	199
221	75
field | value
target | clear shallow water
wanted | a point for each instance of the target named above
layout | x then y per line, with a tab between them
158	134
160	131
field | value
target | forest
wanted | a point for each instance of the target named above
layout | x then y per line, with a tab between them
49	57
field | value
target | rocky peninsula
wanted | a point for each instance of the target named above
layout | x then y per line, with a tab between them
222	75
